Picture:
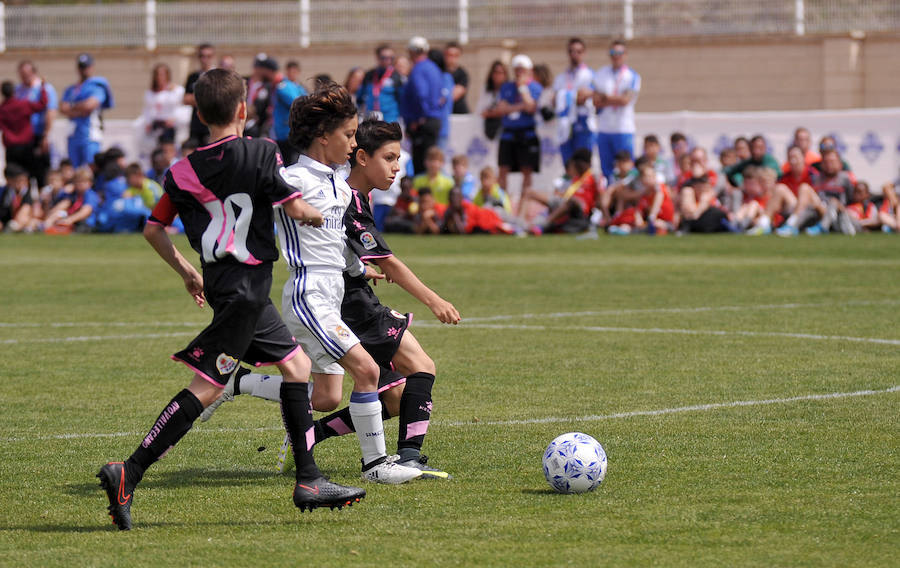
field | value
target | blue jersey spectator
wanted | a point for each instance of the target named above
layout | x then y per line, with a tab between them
447	85
83	104
382	87
422	106
285	92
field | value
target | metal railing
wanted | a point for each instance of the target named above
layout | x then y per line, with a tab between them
150	24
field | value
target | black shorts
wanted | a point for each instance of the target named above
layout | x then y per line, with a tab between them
522	150
246	326
380	335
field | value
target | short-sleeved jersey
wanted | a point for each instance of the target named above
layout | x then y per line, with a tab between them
509	92
839	186
11	201
315	248
571	81
617	82
89	127
224	193
366	242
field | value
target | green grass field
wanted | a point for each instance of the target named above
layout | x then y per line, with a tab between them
745	390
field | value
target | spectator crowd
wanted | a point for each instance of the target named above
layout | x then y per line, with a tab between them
608	185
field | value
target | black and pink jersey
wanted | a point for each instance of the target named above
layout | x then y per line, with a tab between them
368	244
224	193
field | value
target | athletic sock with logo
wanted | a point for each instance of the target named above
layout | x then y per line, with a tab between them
340	422
365	413
415	414
297	416
262	386
171	425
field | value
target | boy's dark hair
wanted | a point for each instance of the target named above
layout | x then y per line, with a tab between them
677	137
581	159
190	144
13	171
8	88
622	156
741	139
218	93
574	40
292	65
373	134
381	47
641	161
424	191
757	137
453	44
133	169
317	114
65	162
651	139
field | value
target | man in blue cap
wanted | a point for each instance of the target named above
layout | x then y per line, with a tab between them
83	103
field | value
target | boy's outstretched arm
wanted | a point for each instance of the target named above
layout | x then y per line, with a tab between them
158	238
396	271
302	211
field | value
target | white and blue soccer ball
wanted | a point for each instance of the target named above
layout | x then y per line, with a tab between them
574	463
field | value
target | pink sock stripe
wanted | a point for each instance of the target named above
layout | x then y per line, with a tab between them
199	372
287	357
414	429
338	426
310	439
398	382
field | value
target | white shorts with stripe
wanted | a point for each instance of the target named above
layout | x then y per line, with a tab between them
311	308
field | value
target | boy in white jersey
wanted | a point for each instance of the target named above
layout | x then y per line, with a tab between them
323	128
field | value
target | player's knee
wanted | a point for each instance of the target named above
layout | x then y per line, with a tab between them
297	368
324	401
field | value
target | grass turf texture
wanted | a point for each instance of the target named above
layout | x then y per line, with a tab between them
89	321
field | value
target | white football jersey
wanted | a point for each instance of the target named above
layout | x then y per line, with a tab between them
315	248
617	82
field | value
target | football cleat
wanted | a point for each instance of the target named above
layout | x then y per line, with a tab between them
319	492
226	396
388	470
112	479
428	472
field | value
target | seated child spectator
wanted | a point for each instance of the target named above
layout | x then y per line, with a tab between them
751	217
803	141
491	195
626	190
141	186
654	212
572	212
159	165
67	170
701	211
680	146
49	194
889	213
728	195
402	216
698	166
73	211
742	148
427	219
188	148
433	178
826	144
664	168
462	177
861	213
462	217
758	157
16	204
455	220
798	172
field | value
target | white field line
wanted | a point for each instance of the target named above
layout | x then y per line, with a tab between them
83	338
545	420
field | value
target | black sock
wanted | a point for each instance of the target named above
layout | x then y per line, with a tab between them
297	416
173	423
415	414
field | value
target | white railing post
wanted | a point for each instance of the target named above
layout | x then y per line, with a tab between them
628	18
799	17
2	27
304	23
463	22
151	25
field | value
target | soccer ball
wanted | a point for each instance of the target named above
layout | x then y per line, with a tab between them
574	463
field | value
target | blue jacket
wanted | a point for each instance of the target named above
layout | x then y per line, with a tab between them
422	96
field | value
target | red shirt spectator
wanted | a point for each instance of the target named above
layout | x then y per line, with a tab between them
15	116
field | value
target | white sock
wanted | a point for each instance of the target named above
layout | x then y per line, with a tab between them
365	411
792	221
262	386
764	222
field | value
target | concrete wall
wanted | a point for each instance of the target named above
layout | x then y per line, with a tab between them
738	74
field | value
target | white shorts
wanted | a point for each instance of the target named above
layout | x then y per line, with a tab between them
311	308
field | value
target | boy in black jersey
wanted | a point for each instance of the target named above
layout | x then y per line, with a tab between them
224	194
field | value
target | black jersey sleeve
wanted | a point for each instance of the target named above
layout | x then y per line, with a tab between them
271	168
362	236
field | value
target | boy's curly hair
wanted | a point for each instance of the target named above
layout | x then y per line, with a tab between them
318	113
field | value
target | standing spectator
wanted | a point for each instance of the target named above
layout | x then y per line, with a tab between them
487	104
616	89
15	123
446	97
353	83
260	90
381	87
421	107
573	103
83	103
41	122
452	53
206	54
161	104
520	148
285	92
